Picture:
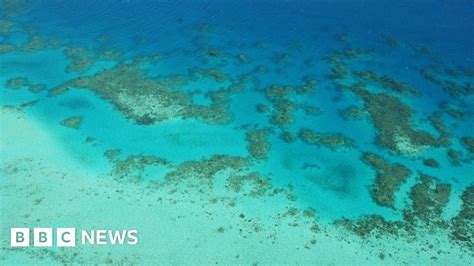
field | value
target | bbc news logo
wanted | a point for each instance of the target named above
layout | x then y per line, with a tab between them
66	237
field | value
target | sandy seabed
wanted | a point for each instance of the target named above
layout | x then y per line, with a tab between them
44	186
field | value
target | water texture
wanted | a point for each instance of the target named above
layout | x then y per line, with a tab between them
251	132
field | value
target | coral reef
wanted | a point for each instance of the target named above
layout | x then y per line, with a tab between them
243	58
459	87
454	157
282	114
386	82
112	55
390	41
331	141
437	123
112	155
149	100
72	122
281	58
13	8
214	73
261	108
462	229
388	180
20	82
258	143
81	58
468	143
16	83
203	171
454	111
282	108
6	48
428	201
277	93
422	50
5	26
371	225
131	168
350	53
34	43
310	110
288	137
352	113
261	68
308	87
392	119
338	69
259	185
430	162
337	61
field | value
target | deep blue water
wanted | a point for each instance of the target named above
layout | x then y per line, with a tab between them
446	25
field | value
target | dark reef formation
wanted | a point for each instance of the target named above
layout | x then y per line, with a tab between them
386	82
388	180
258	143
462	229
72	122
468	143
392	119
331	141
22	82
424	215
149	100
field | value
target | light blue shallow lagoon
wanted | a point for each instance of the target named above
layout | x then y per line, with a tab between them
239	132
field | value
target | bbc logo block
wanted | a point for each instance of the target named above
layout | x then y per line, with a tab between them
42	237
20	237
66	237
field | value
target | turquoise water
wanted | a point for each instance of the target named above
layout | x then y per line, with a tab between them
194	98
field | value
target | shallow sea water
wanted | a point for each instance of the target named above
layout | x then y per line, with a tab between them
217	130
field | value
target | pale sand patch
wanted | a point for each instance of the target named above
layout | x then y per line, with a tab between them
407	148
180	227
153	106
21	137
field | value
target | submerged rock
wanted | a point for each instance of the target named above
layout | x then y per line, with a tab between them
74	122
